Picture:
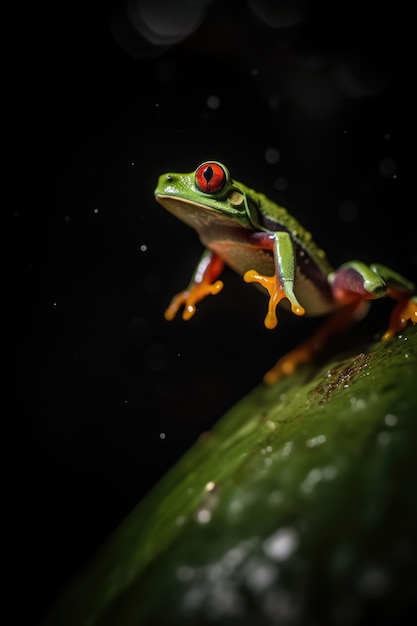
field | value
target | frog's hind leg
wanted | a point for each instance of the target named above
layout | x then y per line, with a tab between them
405	311
354	284
355	279
308	349
402	290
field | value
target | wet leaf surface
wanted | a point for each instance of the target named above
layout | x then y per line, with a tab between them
299	507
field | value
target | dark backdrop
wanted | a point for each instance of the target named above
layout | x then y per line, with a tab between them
301	100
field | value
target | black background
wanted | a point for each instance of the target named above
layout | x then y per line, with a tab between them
105	394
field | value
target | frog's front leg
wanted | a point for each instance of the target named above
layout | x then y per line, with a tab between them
356	280
281	284
202	284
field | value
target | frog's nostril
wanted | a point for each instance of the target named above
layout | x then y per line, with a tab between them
170	178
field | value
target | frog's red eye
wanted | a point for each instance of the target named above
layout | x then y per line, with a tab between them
210	177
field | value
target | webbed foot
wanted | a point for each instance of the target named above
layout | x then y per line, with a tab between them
404	311
276	292
308	349
190	297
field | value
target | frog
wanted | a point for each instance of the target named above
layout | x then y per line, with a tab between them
268	247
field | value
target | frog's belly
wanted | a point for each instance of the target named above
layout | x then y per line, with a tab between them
311	287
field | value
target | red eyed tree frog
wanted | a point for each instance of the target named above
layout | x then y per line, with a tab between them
266	245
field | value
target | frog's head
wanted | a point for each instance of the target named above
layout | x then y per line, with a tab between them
205	197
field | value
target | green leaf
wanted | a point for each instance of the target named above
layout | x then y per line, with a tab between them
299	507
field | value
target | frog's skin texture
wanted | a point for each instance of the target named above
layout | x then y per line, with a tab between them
263	243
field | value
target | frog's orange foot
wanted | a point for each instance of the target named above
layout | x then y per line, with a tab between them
276	293
288	364
308	349
190	297
405	311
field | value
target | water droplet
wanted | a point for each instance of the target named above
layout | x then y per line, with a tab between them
388	167
282	544
260	576
287	449
313	477
203	516
357	403
316	475
275	498
235	506
384	438
166	23
390	419
213	102
272	155
185	573
315	441
234	557
330	472
374	582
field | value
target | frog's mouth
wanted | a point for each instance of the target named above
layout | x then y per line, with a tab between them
192	213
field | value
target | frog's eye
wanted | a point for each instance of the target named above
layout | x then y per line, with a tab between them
210	177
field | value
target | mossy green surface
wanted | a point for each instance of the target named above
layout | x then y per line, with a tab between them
299	507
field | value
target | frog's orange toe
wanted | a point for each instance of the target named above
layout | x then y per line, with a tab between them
190	297
175	304
405	311
288	364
